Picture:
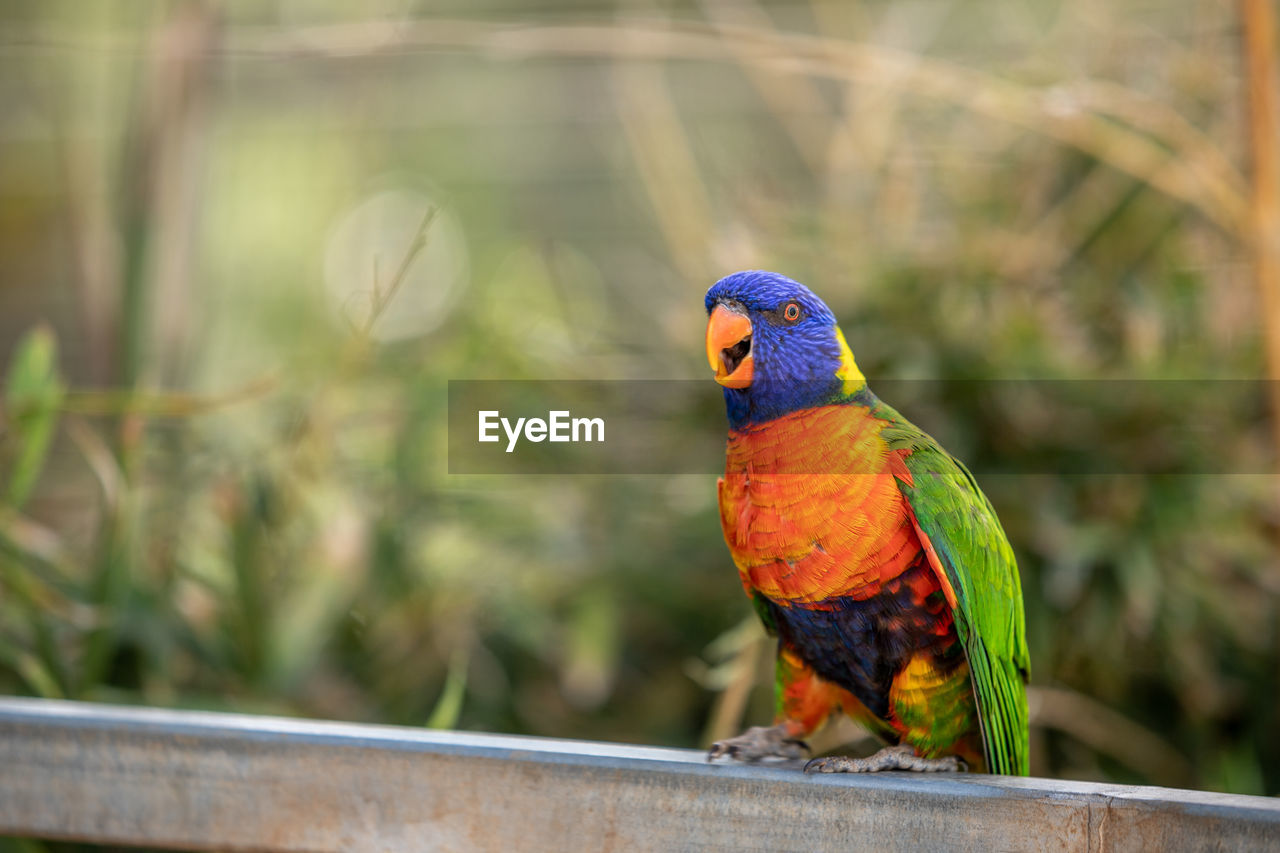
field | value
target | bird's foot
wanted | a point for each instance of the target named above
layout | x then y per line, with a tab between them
760	743
900	757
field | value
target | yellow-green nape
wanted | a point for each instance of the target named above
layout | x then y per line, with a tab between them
848	372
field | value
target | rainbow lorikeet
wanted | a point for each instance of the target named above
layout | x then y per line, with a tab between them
866	548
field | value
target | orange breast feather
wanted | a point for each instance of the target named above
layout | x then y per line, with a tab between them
810	507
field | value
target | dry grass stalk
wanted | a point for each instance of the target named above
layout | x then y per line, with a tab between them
1258	20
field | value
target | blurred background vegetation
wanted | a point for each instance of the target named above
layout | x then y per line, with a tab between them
244	247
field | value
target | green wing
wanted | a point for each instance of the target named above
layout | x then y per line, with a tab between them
975	554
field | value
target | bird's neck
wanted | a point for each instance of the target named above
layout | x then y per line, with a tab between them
839	438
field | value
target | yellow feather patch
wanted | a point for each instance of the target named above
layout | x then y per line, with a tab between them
933	711
848	372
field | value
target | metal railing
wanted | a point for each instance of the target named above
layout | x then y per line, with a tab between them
206	781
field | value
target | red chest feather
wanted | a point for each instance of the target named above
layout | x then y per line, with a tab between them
811	509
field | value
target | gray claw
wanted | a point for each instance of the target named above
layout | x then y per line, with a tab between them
760	743
900	757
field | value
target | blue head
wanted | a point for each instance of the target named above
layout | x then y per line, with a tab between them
775	347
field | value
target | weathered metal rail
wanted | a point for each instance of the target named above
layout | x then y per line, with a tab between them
204	781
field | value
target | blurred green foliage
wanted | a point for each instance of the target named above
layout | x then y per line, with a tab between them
224	481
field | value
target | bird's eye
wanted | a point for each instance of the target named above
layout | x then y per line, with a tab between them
792	312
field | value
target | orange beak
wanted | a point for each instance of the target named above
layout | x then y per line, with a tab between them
729	347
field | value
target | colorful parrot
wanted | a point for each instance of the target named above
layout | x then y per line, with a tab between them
867	550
